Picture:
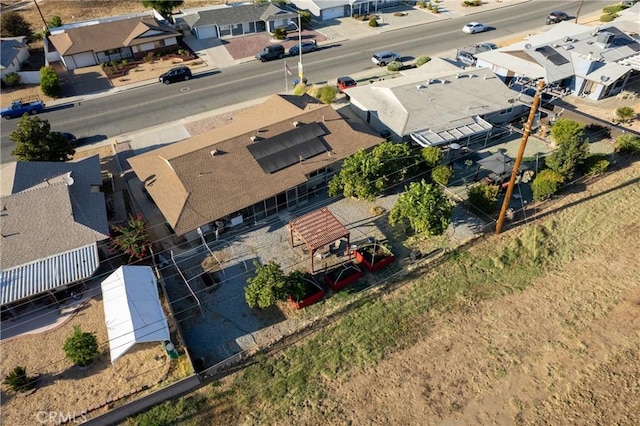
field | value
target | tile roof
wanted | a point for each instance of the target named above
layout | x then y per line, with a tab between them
111	35
212	175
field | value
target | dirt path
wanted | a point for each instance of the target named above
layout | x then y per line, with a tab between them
566	349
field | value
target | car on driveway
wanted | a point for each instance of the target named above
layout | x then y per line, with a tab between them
485	47
384	57
307	46
474	27
557	16
175	74
345	82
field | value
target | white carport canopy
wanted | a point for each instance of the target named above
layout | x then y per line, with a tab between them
132	309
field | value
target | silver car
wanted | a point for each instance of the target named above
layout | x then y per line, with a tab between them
384	57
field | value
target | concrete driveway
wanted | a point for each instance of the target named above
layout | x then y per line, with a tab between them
82	81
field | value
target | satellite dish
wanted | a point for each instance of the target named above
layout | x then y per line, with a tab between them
68	180
528	46
604	78
454	146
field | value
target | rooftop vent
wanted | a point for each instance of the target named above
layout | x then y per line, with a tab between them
605	38
254	139
296	123
213	152
568	46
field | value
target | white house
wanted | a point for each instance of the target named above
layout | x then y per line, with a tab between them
13	52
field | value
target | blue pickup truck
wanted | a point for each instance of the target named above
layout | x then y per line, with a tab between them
20	107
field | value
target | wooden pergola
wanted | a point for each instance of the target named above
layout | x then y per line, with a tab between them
318	229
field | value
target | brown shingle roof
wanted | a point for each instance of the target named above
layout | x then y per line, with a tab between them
111	35
192	187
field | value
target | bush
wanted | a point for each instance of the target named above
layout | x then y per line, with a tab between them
12	79
434	9
55	21
628	144
483	197
49	83
305	16
625	114
373	23
608	18
546	184
422	60
149	57
422	4
394	66
267	287
442	174
432	156
18	380
81	347
327	94
612	9
595	164
280	33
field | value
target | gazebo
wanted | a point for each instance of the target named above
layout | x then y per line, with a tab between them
317	229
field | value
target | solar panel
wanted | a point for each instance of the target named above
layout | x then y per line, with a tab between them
552	55
289	148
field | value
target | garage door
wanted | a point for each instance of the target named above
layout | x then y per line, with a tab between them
332	13
207	32
86	59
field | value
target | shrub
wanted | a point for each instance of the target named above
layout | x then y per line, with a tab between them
305	16
376	210
81	347
442	174
429	6
12	79
546	184
327	94
18	380
612	9
483	197
182	52
373	23
432	156
148	58
421	4
434	9
49	83
56	21
300	89
280	33
422	60
267	287
625	114
628	144
595	164
394	66
356	16
608	18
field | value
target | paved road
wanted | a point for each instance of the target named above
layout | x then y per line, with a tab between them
108	116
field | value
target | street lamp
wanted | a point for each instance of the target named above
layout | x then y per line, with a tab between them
300	72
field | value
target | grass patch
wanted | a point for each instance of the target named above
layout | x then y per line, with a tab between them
181	410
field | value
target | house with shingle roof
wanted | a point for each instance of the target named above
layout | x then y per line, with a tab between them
268	160
13	52
84	44
576	59
324	10
51	224
233	19
437	104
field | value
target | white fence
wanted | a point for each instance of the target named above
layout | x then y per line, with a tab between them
29	77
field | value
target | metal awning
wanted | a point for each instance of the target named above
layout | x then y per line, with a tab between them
470	127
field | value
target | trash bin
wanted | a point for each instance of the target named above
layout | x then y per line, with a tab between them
170	349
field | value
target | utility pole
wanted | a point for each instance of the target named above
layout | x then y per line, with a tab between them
579	9
523	145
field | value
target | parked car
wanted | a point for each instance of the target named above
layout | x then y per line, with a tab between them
465	57
307	46
69	137
485	47
557	16
20	107
274	51
474	27
629	3
175	74
345	82
384	57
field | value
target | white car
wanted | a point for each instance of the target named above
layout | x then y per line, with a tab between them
474	27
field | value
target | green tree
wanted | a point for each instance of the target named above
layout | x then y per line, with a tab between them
441	174
55	21
564	130
424	208
296	284
483	197
49	82
36	142
81	347
569	155
432	156
164	7
546	183
18	380
268	286
628	144
132	238
364	175
12	24
625	114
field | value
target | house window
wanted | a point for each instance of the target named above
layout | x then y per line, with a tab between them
158	44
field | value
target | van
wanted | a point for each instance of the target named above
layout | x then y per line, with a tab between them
275	51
